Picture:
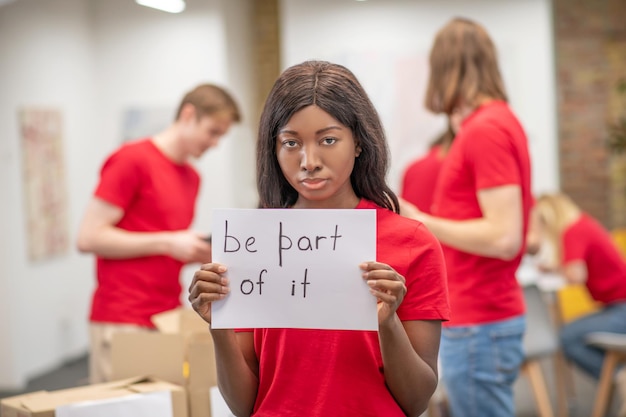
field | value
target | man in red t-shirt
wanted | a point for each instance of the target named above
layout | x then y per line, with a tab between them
480	216
137	221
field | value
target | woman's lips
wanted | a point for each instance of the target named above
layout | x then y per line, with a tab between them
313	183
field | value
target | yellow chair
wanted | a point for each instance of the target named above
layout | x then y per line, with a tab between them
574	301
619	236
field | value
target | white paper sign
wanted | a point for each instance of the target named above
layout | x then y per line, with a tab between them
153	404
294	268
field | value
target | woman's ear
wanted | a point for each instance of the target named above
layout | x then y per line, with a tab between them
357	150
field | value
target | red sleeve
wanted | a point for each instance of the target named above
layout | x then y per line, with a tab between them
119	179
427	288
493	157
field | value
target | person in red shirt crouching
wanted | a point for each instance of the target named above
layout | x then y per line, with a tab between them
584	253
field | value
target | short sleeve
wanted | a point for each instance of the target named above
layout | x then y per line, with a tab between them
493	157
427	289
119	179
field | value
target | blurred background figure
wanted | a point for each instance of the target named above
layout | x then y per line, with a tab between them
480	215
137	221
420	177
583	252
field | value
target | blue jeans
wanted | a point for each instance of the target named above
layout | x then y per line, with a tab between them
611	318
479	365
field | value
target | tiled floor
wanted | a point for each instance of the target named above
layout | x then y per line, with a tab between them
75	373
580	405
71	374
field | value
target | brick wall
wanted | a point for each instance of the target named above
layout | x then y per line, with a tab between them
590	48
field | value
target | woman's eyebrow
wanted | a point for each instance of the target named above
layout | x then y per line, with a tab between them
323	130
326	129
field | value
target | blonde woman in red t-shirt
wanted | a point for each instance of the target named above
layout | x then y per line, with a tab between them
480	215
584	253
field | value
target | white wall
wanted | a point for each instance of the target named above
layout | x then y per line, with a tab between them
386	44
46	61
93	60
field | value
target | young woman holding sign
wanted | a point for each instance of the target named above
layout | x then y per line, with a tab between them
321	145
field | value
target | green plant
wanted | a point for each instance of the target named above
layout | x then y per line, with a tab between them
617	130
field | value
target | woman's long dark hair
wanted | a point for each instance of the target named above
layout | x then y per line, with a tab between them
334	89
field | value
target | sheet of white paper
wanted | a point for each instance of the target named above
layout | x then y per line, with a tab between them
295	268
153	404
219	408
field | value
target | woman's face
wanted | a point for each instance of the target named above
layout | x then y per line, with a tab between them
316	154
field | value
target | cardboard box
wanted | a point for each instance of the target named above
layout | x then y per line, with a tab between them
98	398
181	352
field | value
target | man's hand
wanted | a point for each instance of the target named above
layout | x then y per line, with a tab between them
189	247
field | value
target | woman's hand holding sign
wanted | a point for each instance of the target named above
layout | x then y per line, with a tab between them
387	286
208	285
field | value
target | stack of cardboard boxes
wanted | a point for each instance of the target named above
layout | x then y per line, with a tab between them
177	359
181	352
132	397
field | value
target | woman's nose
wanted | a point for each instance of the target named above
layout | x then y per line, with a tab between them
310	160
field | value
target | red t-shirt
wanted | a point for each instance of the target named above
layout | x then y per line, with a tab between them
420	178
490	150
328	373
156	194
586	240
